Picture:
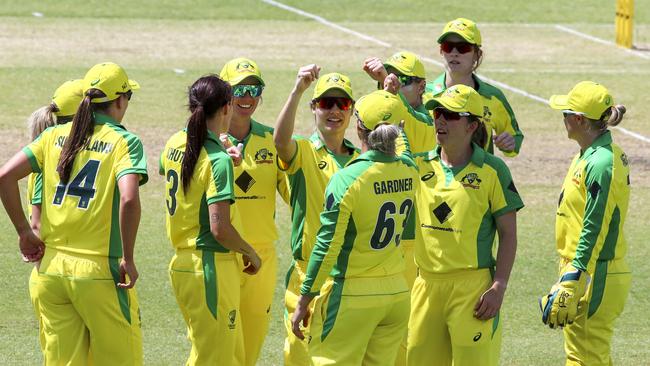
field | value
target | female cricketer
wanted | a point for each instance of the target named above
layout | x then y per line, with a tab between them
256	180
61	109
90	211
309	164
356	270
204	272
466	196
460	47
594	277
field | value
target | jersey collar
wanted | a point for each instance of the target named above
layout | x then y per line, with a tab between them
378	156
440	84
318	143
602	140
101	119
478	154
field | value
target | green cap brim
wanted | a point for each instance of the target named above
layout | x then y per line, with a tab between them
334	87
442	36
239	80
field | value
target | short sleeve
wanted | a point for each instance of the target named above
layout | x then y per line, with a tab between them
293	165
220	180
36	151
504	196
131	158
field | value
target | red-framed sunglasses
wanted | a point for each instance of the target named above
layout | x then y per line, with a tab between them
343	104
461	47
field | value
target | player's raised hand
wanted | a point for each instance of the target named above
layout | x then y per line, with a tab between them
375	69
31	246
504	141
306	75
392	84
489	303
129	273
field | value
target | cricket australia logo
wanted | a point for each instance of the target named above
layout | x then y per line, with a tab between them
245	66
577	177
232	316
471	180
487	115
264	156
624	160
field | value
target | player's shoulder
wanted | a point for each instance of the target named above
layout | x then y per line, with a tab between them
488	90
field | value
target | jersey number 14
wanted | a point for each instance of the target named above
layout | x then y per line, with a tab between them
82	186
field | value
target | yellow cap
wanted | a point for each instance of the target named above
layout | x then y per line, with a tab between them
463	27
380	107
407	63
459	98
587	97
333	80
111	79
235	71
67	97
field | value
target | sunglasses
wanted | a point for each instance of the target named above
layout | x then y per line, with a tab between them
343	104
128	94
461	47
449	115
408	80
239	91
568	112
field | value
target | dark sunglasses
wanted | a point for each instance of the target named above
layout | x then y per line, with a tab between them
240	91
449	115
568	112
343	104
128	94
461	47
408	80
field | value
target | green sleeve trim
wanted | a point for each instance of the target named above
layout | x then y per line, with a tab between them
223	174
290	162
32	159
144	177
135	151
598	179
37	195
513	200
421	117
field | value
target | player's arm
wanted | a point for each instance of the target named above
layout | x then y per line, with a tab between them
285	123
282	185
508	137
130	211
226	234
490	302
329	241
18	167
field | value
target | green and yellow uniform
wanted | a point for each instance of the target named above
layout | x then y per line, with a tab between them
457	208
80	305
309	171
204	274
358	261
497	113
589	234
256	180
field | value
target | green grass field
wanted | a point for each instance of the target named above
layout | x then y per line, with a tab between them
150	39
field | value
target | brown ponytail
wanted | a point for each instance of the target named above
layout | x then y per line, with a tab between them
206	97
83	125
480	135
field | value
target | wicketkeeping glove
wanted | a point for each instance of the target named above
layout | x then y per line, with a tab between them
560	306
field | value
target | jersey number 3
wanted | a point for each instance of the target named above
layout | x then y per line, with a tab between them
385	227
172	178
82	186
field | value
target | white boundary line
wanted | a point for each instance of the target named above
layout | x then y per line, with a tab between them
600	40
435	62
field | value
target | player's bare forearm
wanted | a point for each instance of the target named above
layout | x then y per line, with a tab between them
15	169
507	229
284	127
224	232
130	211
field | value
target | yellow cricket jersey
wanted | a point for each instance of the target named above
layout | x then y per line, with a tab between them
497	113
593	205
187	218
256	180
309	171
419	129
456	210
366	207
82	216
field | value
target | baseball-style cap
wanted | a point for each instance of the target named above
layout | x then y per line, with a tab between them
463	27
67	98
380	107
111	79
333	80
407	63
587	97
235	71
459	98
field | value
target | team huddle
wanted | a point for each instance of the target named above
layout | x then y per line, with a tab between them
393	249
